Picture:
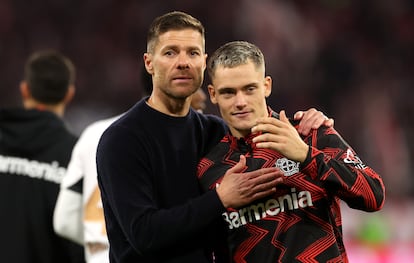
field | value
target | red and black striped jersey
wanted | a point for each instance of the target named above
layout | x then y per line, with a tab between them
301	222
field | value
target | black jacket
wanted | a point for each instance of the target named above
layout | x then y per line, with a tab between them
35	148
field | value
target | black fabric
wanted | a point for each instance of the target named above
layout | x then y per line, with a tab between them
35	148
152	201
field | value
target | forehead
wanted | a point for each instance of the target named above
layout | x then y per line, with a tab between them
237	76
180	38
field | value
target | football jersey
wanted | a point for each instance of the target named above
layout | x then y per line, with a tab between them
301	221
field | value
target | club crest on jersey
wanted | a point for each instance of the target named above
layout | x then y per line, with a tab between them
288	167
354	160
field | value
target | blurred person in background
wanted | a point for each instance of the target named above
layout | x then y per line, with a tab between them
146	160
319	169
78	214
198	101
35	148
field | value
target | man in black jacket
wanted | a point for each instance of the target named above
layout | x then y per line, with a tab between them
35	148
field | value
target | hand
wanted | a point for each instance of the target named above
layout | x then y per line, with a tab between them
281	136
311	119
239	189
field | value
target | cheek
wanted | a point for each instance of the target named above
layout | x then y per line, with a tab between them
159	72
158	77
199	72
225	107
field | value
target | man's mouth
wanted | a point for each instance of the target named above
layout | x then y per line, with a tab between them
182	78
241	114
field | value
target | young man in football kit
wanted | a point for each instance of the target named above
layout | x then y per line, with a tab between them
301	221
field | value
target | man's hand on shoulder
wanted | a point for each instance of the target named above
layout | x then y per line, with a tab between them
312	119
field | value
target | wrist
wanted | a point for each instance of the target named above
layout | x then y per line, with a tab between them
304	154
221	197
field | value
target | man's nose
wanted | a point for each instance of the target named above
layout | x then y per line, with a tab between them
240	99
183	61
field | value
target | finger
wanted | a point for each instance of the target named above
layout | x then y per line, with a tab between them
283	117
242	163
265	124
239	167
318	121
266	189
321	119
266	180
298	115
274	136
263	174
266	186
329	122
265	120
307	123
305	115
274	145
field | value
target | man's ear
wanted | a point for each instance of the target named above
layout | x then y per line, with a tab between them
268	86
24	90
148	63
69	94
212	93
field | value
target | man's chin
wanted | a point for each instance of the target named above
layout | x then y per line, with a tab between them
245	129
183	95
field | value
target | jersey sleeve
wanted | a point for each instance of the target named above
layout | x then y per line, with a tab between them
332	161
67	217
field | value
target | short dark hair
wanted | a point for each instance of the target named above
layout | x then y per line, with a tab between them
174	20
233	54
49	74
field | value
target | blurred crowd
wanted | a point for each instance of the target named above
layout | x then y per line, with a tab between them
354	60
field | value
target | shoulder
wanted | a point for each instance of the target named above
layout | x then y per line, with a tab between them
211	120
90	136
96	128
126	130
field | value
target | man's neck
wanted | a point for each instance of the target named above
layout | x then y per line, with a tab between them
57	109
172	107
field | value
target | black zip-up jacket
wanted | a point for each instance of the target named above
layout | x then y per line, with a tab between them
35	148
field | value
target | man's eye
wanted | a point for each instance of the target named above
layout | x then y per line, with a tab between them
227	92
195	53
251	89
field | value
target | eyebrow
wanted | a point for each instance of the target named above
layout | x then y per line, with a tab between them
228	89
225	90
176	47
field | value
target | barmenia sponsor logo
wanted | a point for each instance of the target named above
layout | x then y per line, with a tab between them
271	207
51	172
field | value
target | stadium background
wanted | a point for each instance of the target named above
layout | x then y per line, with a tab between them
354	60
